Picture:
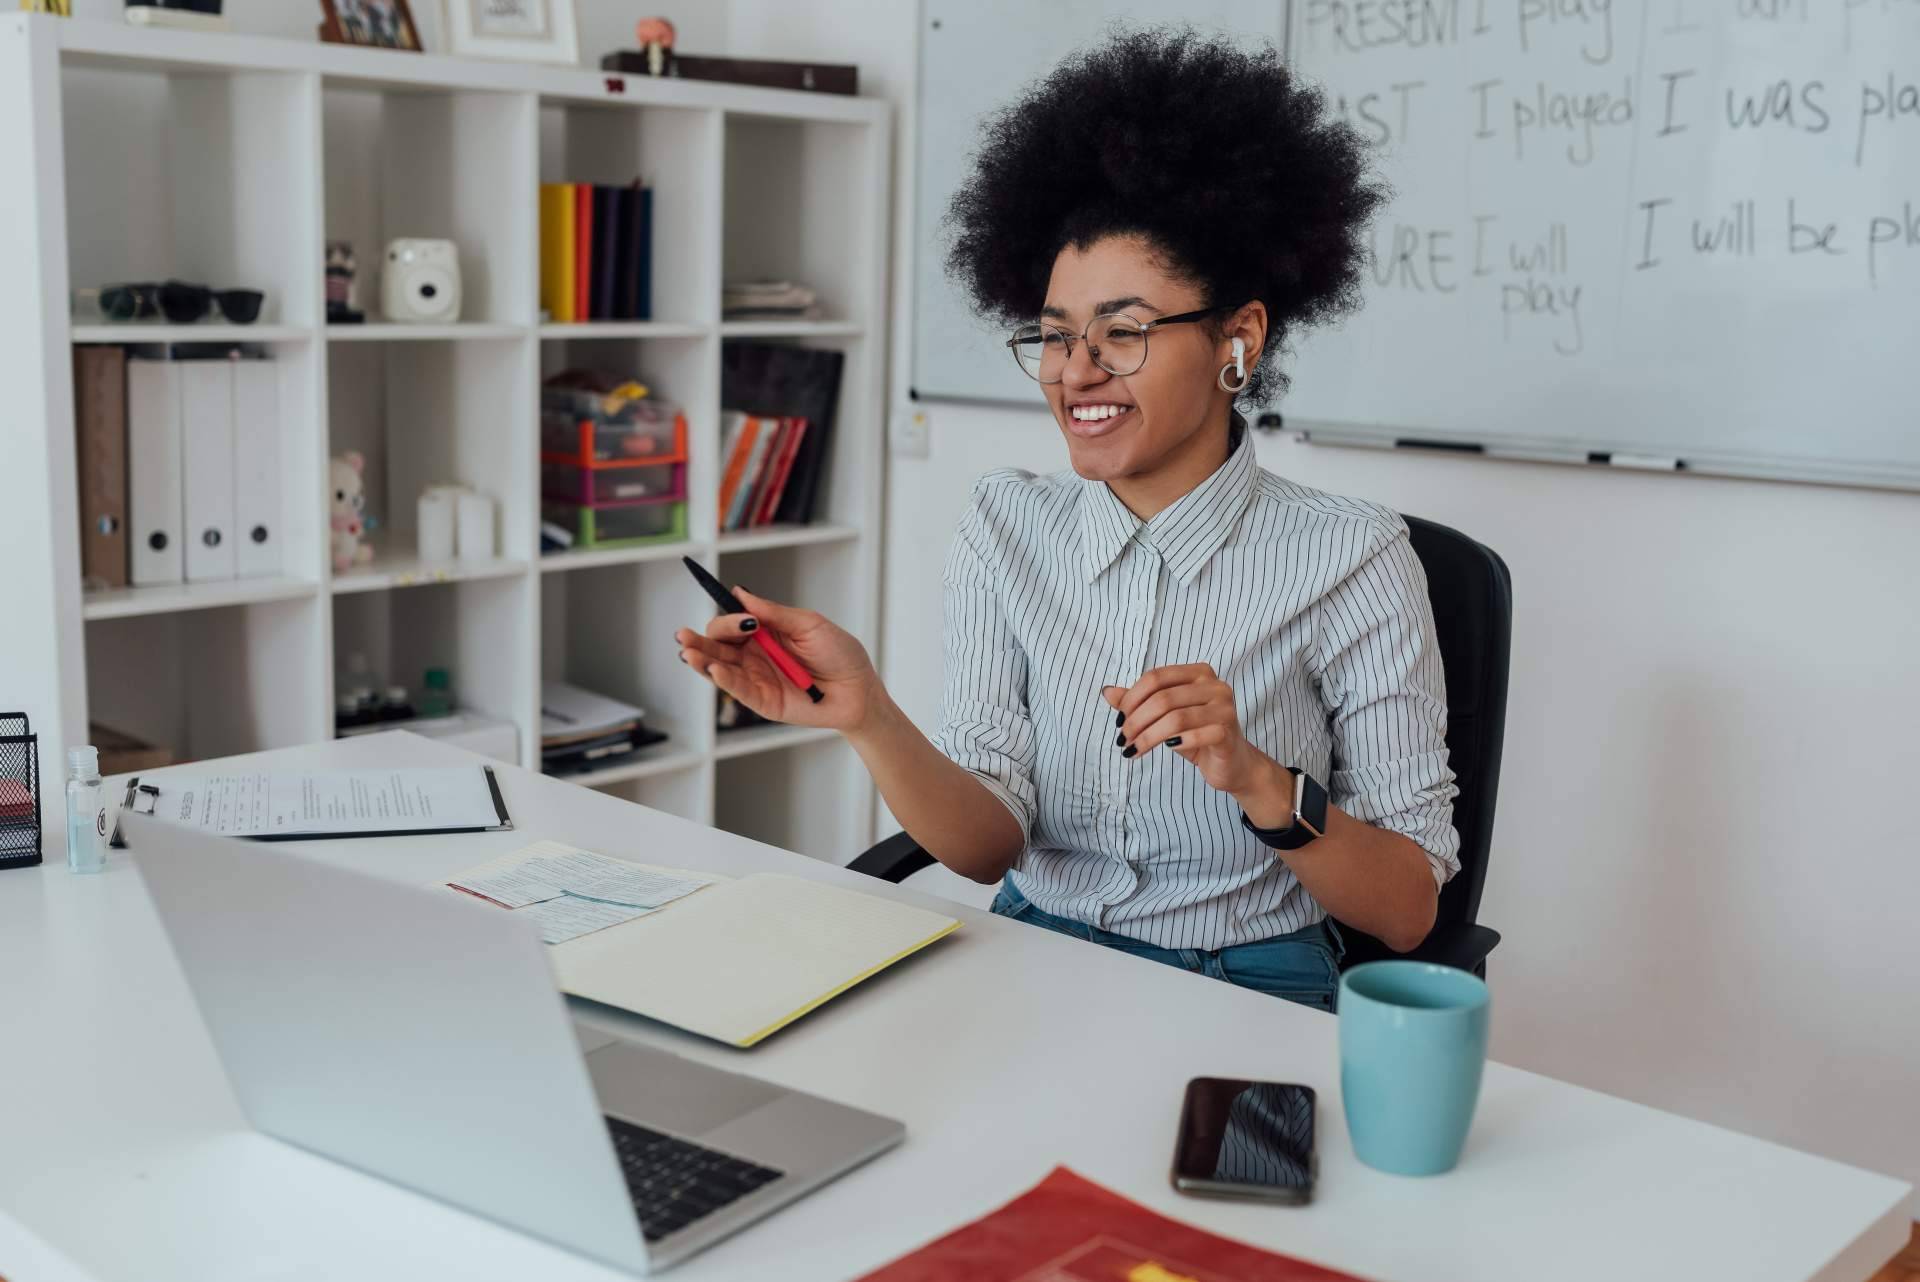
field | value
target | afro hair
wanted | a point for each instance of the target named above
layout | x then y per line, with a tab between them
1238	175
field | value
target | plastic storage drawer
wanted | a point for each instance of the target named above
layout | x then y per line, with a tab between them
575	428
570	483
619	524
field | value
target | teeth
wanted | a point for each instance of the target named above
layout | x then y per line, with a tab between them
1094	413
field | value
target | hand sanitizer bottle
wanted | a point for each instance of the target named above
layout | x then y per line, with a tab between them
86	817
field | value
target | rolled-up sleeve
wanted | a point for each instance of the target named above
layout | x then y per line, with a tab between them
1386	699
985	727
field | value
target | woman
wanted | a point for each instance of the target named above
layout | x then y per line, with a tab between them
1191	709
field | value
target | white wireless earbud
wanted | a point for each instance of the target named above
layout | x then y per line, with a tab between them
1239	358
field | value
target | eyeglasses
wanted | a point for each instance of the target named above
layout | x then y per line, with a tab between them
1116	341
179	302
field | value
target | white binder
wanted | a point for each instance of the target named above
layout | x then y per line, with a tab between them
153	472
206	416
257	502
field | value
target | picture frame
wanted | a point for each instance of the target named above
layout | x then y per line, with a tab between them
514	30
371	24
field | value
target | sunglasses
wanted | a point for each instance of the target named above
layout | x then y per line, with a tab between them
179	302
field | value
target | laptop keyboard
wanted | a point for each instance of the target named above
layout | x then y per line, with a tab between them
673	1183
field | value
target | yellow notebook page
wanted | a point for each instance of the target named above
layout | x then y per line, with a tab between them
743	959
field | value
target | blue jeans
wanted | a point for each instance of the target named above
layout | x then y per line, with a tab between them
1302	967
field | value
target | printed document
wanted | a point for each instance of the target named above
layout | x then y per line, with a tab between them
567	892
333	803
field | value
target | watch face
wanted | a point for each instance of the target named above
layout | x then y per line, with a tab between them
1311	807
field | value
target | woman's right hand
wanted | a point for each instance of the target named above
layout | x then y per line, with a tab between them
728	656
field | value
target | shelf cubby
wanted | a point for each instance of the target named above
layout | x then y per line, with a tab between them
796	210
296	366
845	497
431	413
675	151
679	370
610	630
209	682
793	796
196	174
479	630
816	576
452	164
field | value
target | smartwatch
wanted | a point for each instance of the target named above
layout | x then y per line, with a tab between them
1309	815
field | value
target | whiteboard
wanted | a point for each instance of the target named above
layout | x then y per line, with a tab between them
1676	230
975	56
1655	230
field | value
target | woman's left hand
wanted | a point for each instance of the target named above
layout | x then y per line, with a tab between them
1188	708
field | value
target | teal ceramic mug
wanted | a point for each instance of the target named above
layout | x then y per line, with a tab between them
1413	1039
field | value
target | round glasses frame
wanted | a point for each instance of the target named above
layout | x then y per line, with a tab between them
1028	342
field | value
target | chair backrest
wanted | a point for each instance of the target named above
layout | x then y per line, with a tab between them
1472	595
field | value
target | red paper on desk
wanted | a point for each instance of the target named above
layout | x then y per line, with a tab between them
14	799
1068	1229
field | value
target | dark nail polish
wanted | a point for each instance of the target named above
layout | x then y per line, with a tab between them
1174	742
1119	738
749	623
1129	752
1119	718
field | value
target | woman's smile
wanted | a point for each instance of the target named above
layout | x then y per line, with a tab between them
1091	419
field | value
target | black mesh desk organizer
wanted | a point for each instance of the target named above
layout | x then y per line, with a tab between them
19	792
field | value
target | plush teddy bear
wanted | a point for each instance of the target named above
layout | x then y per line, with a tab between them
347	499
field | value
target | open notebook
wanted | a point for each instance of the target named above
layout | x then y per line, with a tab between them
741	959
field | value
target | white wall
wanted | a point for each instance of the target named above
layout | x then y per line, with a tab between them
1707	878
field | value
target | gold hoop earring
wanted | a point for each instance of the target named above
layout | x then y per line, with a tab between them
1237	388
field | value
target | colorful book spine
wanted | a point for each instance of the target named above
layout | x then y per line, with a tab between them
621	301
596	252
783	471
643	254
583	252
558	234
606	253
762	442
741	435
763	474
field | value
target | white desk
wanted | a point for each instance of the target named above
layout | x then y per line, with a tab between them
1005	1049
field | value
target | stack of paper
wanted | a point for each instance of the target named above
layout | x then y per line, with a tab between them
568	892
768	300
581	730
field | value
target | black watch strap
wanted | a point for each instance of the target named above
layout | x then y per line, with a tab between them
1309	815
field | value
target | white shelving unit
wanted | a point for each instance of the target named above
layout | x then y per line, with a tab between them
140	155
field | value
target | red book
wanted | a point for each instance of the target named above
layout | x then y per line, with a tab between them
583	249
1067	1227
783	468
763	475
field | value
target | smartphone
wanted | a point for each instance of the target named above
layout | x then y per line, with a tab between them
1246	1140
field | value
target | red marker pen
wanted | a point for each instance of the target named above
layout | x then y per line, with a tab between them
775	652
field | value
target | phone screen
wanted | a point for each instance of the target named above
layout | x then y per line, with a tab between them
1246	1139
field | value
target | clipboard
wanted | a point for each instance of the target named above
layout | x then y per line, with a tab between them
150	794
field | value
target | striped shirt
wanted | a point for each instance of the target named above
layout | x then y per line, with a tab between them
1313	608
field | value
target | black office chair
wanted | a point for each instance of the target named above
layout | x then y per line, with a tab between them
1472	596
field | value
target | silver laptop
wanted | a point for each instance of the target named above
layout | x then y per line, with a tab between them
417	1035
